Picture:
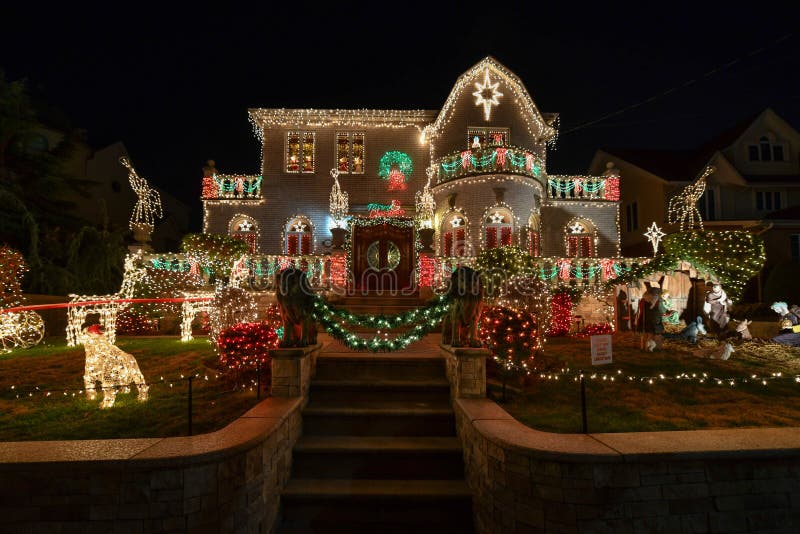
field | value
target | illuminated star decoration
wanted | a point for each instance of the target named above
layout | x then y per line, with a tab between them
456	222
487	87
299	227
497	218
576	228
245	226
654	235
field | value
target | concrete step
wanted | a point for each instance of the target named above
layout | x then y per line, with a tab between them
343	505
360	366
380	390
422	458
383	418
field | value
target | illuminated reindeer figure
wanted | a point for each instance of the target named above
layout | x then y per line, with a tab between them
114	368
683	206
148	205
100	305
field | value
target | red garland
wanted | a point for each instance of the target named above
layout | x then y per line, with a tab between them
244	344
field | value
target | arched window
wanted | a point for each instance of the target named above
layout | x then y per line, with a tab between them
454	234
244	228
299	236
498	228
580	239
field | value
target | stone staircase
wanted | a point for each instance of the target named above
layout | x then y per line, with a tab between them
379	451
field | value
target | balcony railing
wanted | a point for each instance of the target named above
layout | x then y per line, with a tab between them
487	160
583	187
232	186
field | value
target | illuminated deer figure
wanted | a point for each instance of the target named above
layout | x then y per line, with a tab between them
148	207
103	305
683	206
114	368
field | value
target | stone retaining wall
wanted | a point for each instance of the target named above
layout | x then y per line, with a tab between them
224	481
523	480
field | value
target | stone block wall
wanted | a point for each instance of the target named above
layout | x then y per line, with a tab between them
739	480
225	481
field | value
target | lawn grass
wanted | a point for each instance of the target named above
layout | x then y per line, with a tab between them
28	412
632	406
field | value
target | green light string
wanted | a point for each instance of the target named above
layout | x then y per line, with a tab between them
432	310
355	342
247	186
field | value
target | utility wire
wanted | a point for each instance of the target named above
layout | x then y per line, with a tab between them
685	84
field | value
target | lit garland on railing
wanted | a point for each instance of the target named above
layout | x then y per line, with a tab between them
437	307
237	186
582	188
489	159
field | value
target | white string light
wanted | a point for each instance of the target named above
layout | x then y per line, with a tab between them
111	366
482	89
339	201
148	205
425	202
654	234
683	206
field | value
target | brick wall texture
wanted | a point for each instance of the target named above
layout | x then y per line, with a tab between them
521	491
238	492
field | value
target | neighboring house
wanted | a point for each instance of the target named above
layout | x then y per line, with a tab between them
756	185
110	199
486	150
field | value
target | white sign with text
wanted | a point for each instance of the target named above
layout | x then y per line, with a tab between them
601	350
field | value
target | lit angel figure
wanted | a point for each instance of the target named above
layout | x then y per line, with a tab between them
148	206
339	201
425	203
683	206
109	365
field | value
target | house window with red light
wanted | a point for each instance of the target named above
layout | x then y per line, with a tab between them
350	152
497	228
580	240
454	235
246	229
300	155
299	237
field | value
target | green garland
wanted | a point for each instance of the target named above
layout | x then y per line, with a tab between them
428	318
433	309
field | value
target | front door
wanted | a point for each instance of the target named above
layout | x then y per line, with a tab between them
383	257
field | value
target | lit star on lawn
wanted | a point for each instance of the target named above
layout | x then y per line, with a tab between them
489	89
654	235
497	218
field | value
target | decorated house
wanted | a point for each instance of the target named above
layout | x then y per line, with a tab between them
409	187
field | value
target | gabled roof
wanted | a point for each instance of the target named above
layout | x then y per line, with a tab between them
686	165
538	126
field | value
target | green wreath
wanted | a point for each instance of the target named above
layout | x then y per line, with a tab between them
393	157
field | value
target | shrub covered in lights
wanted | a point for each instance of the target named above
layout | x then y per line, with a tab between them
214	251
245	345
733	256
511	336
12	269
499	265
561	304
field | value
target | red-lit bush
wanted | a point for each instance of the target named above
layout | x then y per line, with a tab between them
597	329
244	344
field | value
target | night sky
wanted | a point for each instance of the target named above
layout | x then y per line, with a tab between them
174	86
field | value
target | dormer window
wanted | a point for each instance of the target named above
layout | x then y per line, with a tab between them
486	137
765	150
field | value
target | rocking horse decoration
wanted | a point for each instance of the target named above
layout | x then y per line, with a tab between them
109	365
106	306
683	206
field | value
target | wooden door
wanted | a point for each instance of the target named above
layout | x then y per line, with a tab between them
383	257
